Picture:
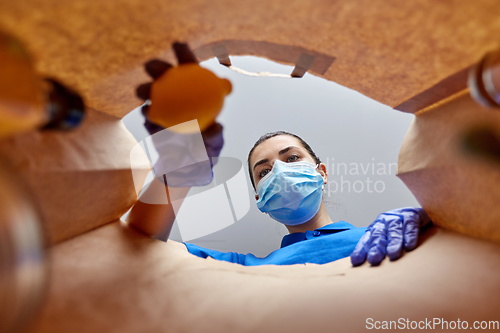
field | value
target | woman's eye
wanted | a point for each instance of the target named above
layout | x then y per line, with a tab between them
263	173
292	158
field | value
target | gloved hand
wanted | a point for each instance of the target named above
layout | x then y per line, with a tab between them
184	92
388	234
186	159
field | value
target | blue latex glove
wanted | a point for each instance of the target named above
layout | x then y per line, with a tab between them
179	154
175	149
388	234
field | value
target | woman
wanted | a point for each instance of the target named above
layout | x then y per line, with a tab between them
288	178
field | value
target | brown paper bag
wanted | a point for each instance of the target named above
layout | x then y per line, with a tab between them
81	179
458	189
389	51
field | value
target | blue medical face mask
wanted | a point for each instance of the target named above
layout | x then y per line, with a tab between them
291	192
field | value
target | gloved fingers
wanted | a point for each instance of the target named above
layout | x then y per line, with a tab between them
184	54
416	213
197	174
151	127
155	68
358	256
212	130
143	91
411	230
378	243
144	110
425	219
213	140
395	237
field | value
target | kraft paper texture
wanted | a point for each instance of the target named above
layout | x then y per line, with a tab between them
106	277
390	51
458	189
114	279
81	179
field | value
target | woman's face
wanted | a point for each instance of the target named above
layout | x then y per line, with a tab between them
285	148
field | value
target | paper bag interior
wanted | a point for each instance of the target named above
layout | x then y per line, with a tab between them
106	277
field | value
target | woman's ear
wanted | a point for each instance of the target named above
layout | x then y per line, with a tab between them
322	171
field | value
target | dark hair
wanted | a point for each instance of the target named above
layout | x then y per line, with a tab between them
272	135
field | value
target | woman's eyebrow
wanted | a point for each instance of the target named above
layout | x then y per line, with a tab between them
259	163
281	152
284	150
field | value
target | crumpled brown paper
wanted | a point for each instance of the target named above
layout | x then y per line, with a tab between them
114	279
80	178
458	189
389	51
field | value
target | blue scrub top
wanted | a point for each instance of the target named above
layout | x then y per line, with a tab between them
326	244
